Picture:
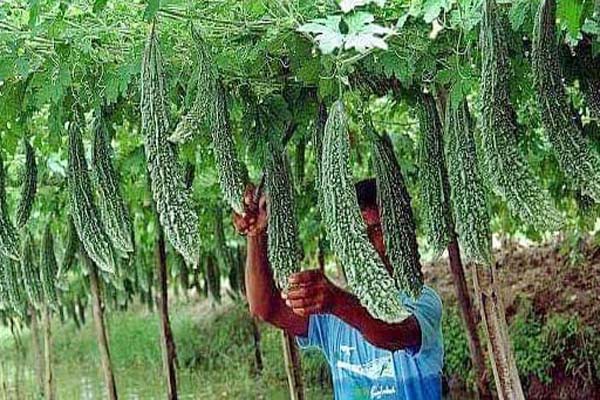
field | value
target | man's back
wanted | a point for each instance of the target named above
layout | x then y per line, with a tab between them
363	371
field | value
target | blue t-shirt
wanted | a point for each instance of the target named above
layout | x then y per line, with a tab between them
363	371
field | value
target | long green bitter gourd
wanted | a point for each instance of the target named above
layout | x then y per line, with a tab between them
468	193
367	276
282	230
70	249
49	268
204	77
113	209
31	272
28	185
561	123
9	240
505	167
12	279
397	221
317	143
173	200
432	176
4	291
86	218
210	111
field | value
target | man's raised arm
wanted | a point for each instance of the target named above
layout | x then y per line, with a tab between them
264	298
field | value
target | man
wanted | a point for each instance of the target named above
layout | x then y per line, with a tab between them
369	358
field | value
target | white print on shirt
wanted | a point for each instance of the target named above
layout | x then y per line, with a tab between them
376	369
347	349
378	391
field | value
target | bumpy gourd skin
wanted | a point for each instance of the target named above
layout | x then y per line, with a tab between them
173	200
504	166
367	276
561	123
433	185
10	277
29	185
49	268
31	272
9	240
113	210
210	111
397	221
85	215
283	235
469	198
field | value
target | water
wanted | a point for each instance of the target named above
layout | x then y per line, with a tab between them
85	382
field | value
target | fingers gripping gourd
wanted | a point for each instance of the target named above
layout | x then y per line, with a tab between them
173	200
399	230
367	276
505	167
561	123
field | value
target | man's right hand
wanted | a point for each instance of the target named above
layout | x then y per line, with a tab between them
253	221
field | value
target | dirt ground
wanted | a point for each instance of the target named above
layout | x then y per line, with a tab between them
540	274
554	284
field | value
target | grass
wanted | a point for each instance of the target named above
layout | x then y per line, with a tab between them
215	355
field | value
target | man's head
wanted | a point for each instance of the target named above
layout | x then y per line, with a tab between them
366	192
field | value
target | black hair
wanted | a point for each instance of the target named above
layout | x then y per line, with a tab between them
366	192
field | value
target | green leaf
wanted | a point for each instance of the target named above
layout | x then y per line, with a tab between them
518	13
432	9
349	5
34	12
569	13
151	9
591	26
99	6
363	34
327	33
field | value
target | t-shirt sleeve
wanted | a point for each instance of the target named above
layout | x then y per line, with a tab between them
427	309
319	334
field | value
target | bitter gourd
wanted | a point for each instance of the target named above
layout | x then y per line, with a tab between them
113	209
282	229
49	268
469	198
505	167
210	111
12	279
432	176
317	143
86	218
203	107
367	276
9	241
70	249
397	221
561	123
28	185
31	272
173	200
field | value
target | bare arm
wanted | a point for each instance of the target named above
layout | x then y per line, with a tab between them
264	298
314	293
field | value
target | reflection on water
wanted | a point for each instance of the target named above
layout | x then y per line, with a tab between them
85	382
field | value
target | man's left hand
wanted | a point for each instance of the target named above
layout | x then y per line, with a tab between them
309	292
